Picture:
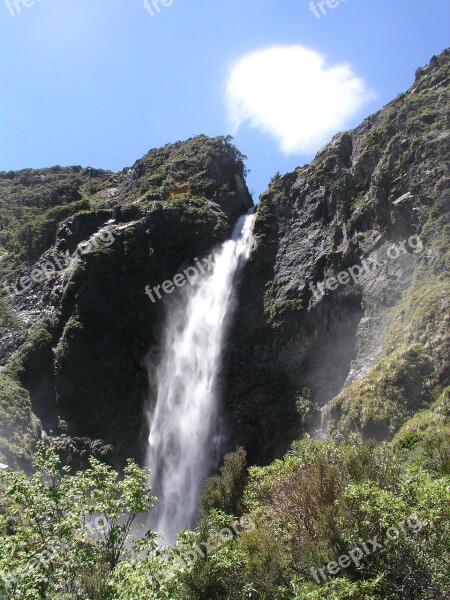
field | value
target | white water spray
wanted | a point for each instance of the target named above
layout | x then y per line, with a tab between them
185	437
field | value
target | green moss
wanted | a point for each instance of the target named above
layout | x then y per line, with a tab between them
279	301
33	202
421	318
416	360
8	319
436	238
413	112
433	212
201	166
72	332
263	231
425	438
380	402
375	138
27	240
198	217
19	428
28	359
132	212
76	278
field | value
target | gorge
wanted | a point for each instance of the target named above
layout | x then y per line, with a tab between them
365	191
324	416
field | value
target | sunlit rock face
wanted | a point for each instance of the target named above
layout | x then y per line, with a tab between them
342	320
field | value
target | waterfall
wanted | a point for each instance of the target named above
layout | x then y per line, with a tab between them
185	437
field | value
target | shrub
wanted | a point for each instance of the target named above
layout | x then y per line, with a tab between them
57	530
224	492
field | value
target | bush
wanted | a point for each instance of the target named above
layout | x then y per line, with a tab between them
224	492
413	560
425	439
59	532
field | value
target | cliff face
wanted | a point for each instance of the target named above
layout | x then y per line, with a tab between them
341	322
76	341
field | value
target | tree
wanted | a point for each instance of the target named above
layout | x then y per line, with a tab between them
224	492
62	535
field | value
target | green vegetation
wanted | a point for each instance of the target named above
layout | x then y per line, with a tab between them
178	202
28	360
414	366
425	438
279	300
375	404
188	167
224	492
317	504
18	426
70	536
63	534
8	319
33	202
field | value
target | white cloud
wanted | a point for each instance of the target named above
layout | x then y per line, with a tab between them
290	92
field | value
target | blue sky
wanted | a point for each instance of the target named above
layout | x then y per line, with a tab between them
100	82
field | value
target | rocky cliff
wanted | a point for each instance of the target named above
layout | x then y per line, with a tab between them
342	320
76	323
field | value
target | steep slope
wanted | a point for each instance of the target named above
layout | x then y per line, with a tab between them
74	339
343	321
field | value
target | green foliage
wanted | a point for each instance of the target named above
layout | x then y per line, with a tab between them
249	565
306	408
201	220
29	356
425	438
72	536
7	318
33	202
132	212
320	502
18	426
37	233
224	492
297	495
264	221
375	404
415	364
412	560
63	535
201	166
339	588
280	301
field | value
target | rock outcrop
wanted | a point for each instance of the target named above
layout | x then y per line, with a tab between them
343	320
85	326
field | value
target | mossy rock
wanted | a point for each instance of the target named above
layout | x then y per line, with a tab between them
19	427
425	438
380	402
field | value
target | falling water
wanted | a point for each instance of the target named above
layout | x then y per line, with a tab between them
185	438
